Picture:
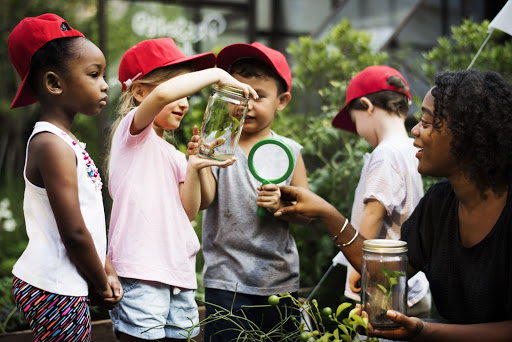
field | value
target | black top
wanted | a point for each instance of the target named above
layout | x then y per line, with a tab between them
469	285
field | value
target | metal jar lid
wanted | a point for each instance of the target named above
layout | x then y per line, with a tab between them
235	92
384	246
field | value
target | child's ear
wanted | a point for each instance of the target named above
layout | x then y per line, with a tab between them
368	104
138	91
52	83
283	99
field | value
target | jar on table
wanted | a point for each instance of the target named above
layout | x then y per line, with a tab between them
384	280
222	123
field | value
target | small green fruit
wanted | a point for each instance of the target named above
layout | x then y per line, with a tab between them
273	300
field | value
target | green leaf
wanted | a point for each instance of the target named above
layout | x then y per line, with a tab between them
346	338
353	313
343	328
392	281
336	334
383	289
342	307
219	133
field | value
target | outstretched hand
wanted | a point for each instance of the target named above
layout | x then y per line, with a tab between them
193	145
197	162
304	202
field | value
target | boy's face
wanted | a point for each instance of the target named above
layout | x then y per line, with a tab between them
261	111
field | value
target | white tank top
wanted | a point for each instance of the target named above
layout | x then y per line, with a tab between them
45	263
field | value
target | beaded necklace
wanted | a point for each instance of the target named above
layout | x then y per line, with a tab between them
90	167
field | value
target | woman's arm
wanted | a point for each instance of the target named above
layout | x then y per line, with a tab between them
177	88
56	163
307	203
269	196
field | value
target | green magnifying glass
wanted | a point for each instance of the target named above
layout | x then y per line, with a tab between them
271	161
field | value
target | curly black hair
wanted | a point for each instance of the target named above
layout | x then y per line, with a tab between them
477	108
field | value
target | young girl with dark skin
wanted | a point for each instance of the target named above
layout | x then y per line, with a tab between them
63	205
459	234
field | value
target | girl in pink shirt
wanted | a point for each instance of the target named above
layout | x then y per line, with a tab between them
156	192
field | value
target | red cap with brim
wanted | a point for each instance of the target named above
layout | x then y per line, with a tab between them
371	80
275	59
151	54
25	40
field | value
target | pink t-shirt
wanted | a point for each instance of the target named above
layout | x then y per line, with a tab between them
150	236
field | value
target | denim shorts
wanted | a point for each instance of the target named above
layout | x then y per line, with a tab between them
152	305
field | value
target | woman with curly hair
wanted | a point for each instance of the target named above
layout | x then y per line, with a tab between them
460	234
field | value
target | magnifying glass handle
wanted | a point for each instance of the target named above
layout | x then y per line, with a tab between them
262	212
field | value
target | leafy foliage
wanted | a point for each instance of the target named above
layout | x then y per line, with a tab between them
457	51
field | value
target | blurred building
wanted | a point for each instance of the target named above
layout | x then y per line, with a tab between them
207	25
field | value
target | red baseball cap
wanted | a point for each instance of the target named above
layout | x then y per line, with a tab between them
371	80
256	50
151	54
25	40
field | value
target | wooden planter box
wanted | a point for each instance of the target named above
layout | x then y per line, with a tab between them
101	332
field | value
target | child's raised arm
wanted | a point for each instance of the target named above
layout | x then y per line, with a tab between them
153	100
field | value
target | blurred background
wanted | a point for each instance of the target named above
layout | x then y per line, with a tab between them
326	43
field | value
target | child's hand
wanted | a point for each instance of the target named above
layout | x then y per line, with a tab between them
228	80
198	163
193	145
354	281
117	290
269	197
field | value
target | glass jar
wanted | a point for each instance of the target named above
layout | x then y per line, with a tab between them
384	280
222	123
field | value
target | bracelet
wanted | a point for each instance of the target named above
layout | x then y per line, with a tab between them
350	242
342	229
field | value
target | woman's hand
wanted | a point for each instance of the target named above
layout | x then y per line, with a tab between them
304	202
269	197
410	327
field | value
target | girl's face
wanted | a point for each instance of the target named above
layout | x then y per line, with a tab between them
85	88
170	116
434	154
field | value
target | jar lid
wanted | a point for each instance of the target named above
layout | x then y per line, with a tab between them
384	246
230	90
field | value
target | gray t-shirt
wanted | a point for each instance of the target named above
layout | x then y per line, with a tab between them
243	252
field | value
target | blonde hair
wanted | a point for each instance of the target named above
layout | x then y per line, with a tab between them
127	101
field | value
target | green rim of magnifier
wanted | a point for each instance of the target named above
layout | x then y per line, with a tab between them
279	143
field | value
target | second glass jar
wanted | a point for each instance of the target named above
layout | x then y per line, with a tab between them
384	280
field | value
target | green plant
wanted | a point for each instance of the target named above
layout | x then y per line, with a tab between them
313	324
392	278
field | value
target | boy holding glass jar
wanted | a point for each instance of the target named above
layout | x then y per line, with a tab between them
248	258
